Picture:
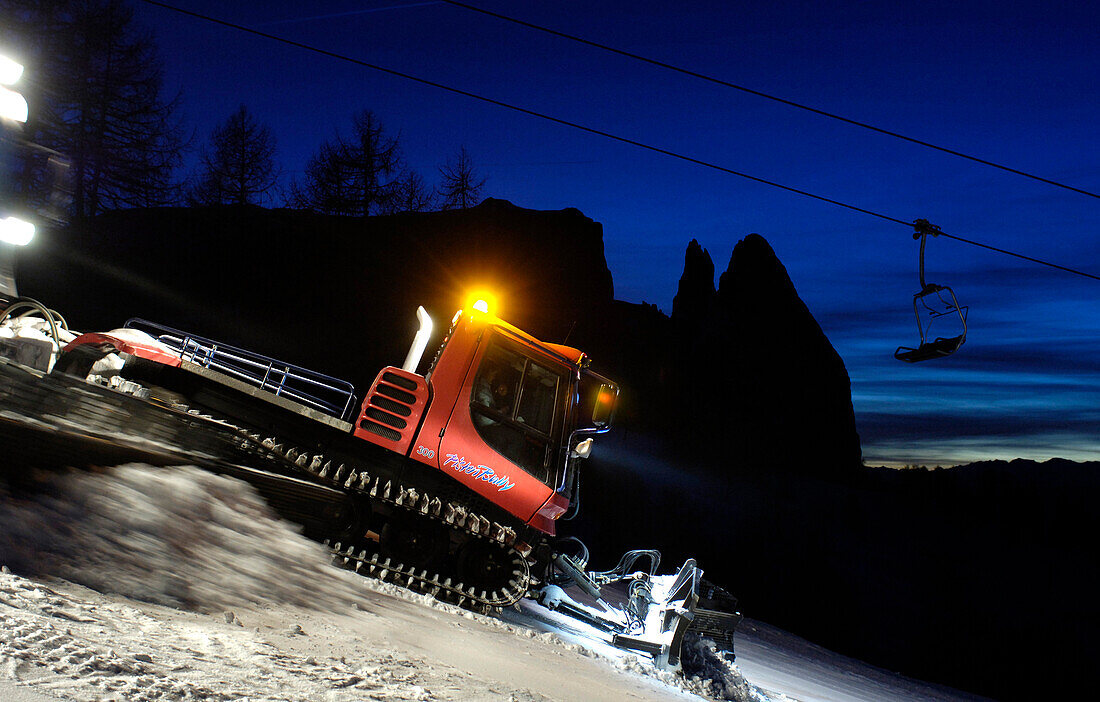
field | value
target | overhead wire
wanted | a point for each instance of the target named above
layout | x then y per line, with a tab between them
759	93
591	130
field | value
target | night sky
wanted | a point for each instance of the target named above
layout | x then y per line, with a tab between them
1013	83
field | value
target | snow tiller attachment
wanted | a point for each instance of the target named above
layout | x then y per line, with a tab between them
654	613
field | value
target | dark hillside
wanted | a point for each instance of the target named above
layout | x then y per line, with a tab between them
337	294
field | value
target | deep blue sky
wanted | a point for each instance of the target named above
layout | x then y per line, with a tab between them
1014	83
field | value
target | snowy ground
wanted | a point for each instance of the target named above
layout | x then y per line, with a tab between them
190	590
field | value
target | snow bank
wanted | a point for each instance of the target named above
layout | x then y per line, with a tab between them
175	536
185	537
88	647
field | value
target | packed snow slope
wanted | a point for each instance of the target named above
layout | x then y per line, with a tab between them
140	583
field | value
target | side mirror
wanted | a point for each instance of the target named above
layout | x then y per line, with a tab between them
605	405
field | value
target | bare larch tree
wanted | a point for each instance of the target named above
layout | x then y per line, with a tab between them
411	195
355	175
461	185
102	105
237	167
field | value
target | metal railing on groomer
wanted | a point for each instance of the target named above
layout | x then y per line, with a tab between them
325	393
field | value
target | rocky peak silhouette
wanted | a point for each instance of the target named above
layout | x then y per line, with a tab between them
754	266
694	299
754	367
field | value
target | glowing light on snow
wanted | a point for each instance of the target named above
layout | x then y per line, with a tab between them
16	231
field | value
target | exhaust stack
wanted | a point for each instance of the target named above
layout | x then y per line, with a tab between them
420	341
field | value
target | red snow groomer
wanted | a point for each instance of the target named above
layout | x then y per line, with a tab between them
450	482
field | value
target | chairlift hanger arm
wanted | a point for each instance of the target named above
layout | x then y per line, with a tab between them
940	346
923	229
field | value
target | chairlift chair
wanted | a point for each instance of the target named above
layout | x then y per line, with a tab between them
938	301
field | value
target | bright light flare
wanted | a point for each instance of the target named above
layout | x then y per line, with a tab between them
13	106
483	302
10	71
16	231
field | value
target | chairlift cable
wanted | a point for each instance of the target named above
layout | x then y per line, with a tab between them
597	132
1021	256
767	96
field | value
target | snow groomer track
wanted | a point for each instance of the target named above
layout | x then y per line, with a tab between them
53	421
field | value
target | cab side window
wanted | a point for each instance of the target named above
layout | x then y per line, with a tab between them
536	401
512	407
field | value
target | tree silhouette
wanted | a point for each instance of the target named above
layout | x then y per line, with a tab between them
238	165
98	83
357	175
411	195
461	185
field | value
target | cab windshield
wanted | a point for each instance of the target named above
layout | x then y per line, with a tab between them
514	408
